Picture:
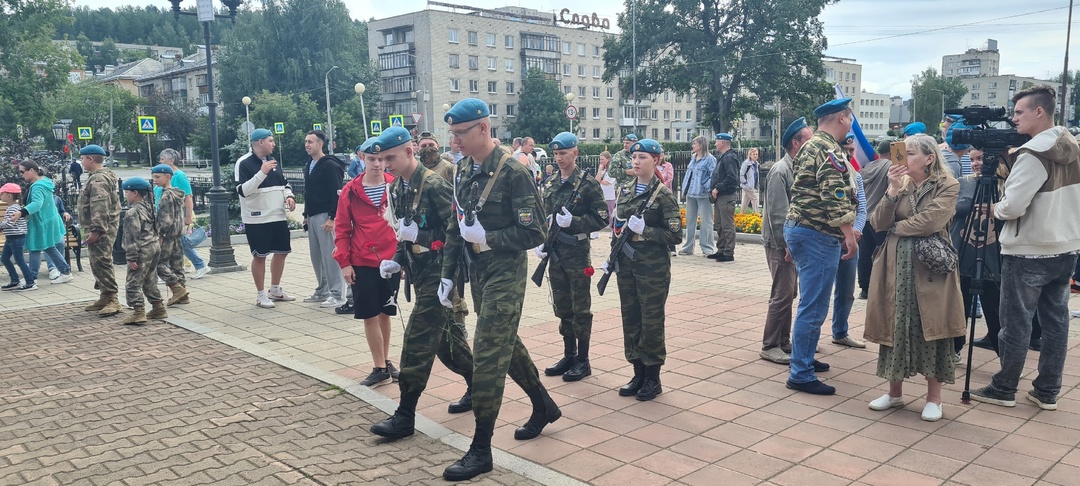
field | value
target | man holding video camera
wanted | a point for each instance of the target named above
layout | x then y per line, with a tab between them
1039	244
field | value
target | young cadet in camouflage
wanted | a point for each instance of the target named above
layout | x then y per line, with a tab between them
421	201
570	270
99	214
644	267
141	245
509	221
620	162
429	156
170	225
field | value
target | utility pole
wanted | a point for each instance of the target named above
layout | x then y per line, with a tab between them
1065	72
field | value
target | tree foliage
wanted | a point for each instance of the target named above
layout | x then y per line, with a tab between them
540	109
734	55
930	91
149	25
87	105
177	119
298	113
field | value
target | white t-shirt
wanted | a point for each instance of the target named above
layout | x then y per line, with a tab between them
609	188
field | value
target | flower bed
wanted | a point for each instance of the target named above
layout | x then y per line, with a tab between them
744	222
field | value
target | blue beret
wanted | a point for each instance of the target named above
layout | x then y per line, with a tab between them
834	106
914	128
631	137
957	125
367	146
390	138
466	110
849	138
647	145
723	136
259	134
136	184
358	148
564	140
954	118
792	129
161	169
92	150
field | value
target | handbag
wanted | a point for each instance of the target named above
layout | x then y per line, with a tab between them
197	235
936	252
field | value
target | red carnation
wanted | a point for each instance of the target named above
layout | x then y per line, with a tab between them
437	245
589	271
370	245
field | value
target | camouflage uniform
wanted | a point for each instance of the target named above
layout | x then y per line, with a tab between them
431	159
620	163
513	219
99	212
821	197
170	224
644	281
430	331
569	256
141	244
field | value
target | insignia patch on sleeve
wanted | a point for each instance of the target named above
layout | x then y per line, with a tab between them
525	216
674	224
603	214
837	164
840	194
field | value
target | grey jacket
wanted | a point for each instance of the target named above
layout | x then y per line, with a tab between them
775	203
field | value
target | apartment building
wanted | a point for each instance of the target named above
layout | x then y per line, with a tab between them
984	61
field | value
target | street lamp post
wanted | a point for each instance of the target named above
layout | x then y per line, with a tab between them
60	133
359	88
247	115
329	121
942	103
570	99
221	251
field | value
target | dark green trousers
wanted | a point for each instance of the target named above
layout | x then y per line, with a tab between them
643	291
431	332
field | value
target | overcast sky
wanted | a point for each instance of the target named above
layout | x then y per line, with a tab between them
892	39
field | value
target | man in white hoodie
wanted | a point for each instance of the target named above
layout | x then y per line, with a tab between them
1039	244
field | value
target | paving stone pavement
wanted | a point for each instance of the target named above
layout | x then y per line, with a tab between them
85	400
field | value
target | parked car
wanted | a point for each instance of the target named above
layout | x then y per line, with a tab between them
539	153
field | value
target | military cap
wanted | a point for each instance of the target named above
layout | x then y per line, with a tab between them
725	136
136	184
259	134
359	147
390	138
792	129
564	140
849	138
631	137
425	135
914	128
92	150
834	106
648	146
466	110
366	146
957	125
161	169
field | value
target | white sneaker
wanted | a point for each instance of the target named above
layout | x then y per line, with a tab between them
886	402
160	281
1075	313
280	295
63	278
27	288
314	298
333	302
263	300
54	274
202	272
931	412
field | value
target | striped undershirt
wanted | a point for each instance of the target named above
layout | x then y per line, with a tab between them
375	193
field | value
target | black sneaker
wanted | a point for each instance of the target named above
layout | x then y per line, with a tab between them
392	370
863	294
378	375
988	394
820	367
11	286
815	387
1035	344
345	309
27	288
1043	402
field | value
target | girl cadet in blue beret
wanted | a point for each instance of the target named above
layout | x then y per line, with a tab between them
648	210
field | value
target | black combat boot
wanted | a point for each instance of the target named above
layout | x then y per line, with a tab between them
545	411
650	388
581	368
402	423
477	460
569	358
631	389
465	403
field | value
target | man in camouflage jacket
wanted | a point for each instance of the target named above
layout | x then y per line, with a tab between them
99	213
170	226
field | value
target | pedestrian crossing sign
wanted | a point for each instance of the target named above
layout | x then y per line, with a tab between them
316	126
86	133
279	128
397	121
376	127
147	124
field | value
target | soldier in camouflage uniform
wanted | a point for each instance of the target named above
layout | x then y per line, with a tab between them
170	225
620	162
569	270
498	216
644	267
141	245
421	201
429	156
99	214
818	229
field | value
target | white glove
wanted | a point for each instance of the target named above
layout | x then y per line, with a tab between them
445	286
388	268
540	253
636	224
474	233
603	268
407	230
564	218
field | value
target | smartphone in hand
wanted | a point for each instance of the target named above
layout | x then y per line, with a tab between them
898	152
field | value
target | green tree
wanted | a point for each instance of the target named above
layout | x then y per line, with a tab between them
87	105
298	113
735	56
930	91
541	108
177	119
1072	102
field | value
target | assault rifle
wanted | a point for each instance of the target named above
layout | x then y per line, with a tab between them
465	260
553	234
406	248
620	243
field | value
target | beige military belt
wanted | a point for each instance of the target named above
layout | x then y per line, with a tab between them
417	249
479	247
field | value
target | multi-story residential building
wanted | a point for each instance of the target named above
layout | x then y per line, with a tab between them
873	111
899	112
185	80
127	76
845	72
999	90
432	58
984	61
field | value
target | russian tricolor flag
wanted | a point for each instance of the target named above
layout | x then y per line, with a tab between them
864	152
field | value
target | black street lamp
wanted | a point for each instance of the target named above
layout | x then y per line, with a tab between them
221	251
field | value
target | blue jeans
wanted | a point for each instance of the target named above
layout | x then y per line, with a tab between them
189	252
844	296
816	255
48	259
13	247
35	263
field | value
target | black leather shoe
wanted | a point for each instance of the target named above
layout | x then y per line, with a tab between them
539	420
476	461
463	405
562	366
820	367
1035	345
630	389
725	258
863	294
650	388
815	387
714	256
984	343
398	426
345	309
580	370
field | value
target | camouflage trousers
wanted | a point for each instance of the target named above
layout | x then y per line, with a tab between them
498	289
430	333
143	280
101	264
461	309
170	262
571	295
643	291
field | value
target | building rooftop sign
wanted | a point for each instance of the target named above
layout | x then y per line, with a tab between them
586	20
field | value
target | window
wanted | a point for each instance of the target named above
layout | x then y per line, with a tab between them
610	113
596	92
667	116
992	85
510	88
991	95
678	99
474	86
581	92
974	96
454	85
508	42
452	36
581	70
678	134
655	133
595	51
610	133
494	109
610	93
566	48
566	69
493	63
667	96
472	38
511	110
678	114
974	85
490	40
566	89
596	134
493	87
509	65
581	50
596	113
689	115
596	71
667	134
653	117
853	76
474	62
454	61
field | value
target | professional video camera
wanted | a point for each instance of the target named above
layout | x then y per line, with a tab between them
992	141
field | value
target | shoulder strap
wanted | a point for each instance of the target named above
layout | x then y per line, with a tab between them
491	182
416	198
